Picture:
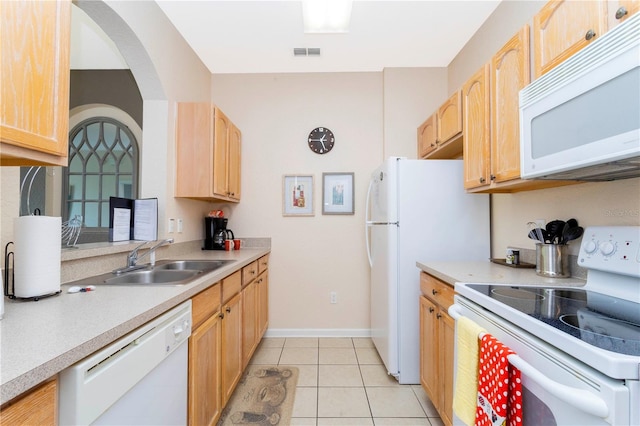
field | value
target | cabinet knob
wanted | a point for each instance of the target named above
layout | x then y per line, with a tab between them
221	316
228	309
589	35
621	12
492	177
439	315
434	291
431	310
482	180
433	144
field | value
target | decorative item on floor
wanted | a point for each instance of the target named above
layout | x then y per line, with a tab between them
297	195
264	396
337	193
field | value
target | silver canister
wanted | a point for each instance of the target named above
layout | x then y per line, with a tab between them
552	260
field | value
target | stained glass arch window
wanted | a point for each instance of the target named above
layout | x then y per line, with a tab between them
103	162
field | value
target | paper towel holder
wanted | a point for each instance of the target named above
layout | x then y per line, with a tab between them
9	276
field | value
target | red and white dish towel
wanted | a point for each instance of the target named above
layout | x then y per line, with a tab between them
499	386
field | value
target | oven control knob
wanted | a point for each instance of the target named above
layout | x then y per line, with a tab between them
590	247
607	248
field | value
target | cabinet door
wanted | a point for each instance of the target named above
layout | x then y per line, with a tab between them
450	118
447	328
37	407
429	349
624	9
509	74
427	136
263	303
231	345
476	111
220	153
34	88
249	321
235	145
194	154
563	27
205	404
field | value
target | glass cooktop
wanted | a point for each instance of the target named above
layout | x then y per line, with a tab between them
600	320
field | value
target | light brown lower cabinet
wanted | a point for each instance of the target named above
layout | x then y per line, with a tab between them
231	345
255	307
205	403
250	321
35	407
437	334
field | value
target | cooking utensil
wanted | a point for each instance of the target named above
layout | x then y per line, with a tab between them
535	233
554	228
572	234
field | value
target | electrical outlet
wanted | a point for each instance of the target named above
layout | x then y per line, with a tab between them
172	226
333	296
179	226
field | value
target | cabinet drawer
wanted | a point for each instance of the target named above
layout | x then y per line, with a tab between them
205	304
436	290
263	263
249	273
231	286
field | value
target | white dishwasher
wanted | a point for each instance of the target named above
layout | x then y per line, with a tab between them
141	379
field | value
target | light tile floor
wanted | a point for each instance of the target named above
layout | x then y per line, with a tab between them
342	382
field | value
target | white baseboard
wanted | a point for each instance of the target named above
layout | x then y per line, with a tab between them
317	332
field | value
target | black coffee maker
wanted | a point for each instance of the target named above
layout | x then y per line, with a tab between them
215	231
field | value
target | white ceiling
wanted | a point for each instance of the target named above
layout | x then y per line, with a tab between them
237	36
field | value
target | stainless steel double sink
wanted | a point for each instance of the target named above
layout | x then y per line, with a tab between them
164	272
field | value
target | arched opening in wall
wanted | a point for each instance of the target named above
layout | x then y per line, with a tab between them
103	162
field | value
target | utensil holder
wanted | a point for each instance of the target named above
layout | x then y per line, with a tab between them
552	260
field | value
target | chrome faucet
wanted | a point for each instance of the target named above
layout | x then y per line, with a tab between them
133	258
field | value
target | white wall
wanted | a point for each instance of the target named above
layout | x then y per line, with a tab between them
606	203
410	96
373	116
311	256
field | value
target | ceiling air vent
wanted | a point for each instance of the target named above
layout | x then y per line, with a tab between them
303	51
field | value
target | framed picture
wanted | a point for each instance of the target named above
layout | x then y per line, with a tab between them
337	193
297	195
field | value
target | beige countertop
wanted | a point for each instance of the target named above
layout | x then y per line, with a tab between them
40	339
488	272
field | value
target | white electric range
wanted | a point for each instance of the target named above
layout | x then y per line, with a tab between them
578	348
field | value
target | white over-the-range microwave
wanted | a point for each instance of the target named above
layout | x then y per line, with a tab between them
581	120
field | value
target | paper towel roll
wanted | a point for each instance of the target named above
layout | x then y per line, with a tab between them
37	255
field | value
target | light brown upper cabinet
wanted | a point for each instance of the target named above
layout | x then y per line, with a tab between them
622	10
34	88
440	136
563	27
476	109
427	136
509	74
492	151
208	154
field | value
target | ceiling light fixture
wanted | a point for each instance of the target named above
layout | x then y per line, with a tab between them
326	16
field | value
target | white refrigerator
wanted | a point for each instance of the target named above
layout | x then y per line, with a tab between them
416	210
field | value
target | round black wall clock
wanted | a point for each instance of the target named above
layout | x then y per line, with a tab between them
321	140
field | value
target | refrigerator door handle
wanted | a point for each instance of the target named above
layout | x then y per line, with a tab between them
366	223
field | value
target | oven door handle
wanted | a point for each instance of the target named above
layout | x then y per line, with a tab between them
578	398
